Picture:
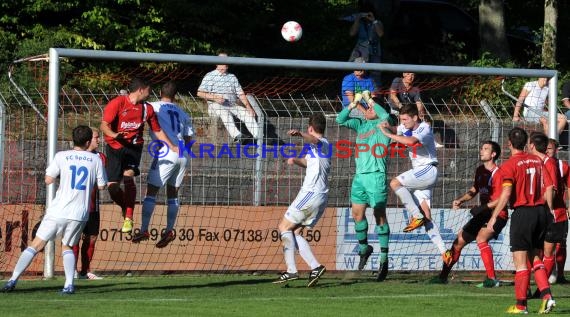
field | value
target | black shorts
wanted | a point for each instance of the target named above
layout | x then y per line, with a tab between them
528	228
473	226
557	232
92	225
125	158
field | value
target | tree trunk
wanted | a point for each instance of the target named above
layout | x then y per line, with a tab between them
492	29
550	30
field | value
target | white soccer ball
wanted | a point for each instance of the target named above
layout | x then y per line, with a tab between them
291	31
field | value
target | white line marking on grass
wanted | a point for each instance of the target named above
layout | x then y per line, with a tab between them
233	299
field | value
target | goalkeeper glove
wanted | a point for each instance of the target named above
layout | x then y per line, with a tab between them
357	97
366	96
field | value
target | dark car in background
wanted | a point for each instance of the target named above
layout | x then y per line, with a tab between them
436	32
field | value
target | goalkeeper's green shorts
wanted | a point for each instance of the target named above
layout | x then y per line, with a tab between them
369	189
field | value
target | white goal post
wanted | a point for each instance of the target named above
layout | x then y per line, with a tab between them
54	87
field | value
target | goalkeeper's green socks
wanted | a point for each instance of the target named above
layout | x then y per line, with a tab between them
361	228
383	232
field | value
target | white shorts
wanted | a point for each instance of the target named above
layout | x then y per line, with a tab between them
167	170
420	181
307	208
69	230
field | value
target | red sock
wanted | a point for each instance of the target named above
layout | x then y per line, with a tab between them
130	196
87	251
84	259
548	264
76	253
560	258
522	282
487	257
541	279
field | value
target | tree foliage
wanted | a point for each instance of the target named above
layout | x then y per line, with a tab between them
246	27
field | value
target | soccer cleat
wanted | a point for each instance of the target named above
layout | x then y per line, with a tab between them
286	277
437	280
561	280
166	239
127	226
382	272
9	286
68	290
364	257
546	306
90	276
414	224
515	310
447	257
489	283
141	236
315	275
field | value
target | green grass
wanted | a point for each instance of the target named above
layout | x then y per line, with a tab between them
254	295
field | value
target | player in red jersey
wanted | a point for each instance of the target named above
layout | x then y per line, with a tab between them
557	231
488	185
123	127
91	229
523	186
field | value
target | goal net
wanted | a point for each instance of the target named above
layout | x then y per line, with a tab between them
231	202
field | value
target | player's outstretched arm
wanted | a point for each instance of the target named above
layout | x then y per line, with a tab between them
465	197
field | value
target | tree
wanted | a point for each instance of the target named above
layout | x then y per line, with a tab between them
492	29
550	30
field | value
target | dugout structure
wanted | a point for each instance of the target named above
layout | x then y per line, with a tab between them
231	206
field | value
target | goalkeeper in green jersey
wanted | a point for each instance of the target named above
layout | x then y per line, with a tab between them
369	187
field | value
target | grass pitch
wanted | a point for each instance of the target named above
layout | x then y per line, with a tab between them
342	294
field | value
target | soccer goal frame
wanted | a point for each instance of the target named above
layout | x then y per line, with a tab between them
54	87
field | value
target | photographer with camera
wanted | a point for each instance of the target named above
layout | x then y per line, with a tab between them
368	31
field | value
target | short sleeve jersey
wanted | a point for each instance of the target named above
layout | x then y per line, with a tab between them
79	172
423	153
482	183
225	84
175	123
496	189
125	117
524	172
562	184
94	203
318	167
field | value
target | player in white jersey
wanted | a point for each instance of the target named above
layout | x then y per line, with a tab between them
420	180
79	171
310	204
167	169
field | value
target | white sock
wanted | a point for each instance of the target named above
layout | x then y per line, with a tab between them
289	251
147	209
23	262
434	235
68	266
171	213
306	253
408	201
